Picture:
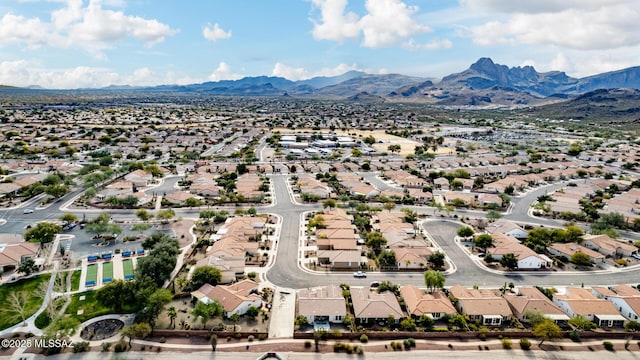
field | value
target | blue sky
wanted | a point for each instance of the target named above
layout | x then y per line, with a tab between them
96	43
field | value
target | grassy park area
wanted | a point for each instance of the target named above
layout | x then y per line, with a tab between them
127	268
92	275
25	301
107	272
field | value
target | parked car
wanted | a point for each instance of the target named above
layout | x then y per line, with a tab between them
28	211
359	274
374	284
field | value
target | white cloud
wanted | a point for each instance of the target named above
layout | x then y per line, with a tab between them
431	45
537	6
215	32
223	72
92	28
386	23
573	24
334	23
24	73
299	73
20	30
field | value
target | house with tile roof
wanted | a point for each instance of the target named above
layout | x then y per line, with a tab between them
531	299
576	301
527	258
568	249
434	305
13	254
608	246
235	298
482	305
369	306
624	297
322	304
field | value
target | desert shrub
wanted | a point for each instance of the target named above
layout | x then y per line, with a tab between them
409	343
608	345
307	344
395	345
120	347
81	346
106	346
525	344
364	338
340	347
506	343
574	336
262	337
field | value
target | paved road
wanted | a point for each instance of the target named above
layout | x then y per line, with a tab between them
287	273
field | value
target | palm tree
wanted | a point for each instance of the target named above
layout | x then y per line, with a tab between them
172	316
235	318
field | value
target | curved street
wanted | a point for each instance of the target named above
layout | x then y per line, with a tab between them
286	271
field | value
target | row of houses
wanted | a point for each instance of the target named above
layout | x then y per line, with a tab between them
411	250
607	307
507	239
337	241
236	239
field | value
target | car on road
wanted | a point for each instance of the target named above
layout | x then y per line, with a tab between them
359	274
28	211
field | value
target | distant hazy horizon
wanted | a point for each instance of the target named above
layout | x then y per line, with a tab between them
63	44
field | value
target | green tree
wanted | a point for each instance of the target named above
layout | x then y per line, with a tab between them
172	313
493	215
426	322
408	324
375	240
581	259
534	317
547	330
433	280
574	233
206	274
166	215
582	323
154	305
387	259
458	321
329	203
465	232
136	331
437	260
27	267
42	232
394	148
143	215
206	311
193	202
510	261
483	241
389	205
69	218
116	294
140	228
101	226
252	312
235	319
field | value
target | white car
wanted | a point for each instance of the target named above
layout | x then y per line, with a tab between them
28	211
359	274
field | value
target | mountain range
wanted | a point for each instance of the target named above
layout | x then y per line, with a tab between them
484	83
